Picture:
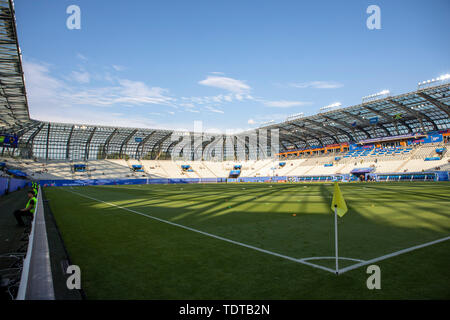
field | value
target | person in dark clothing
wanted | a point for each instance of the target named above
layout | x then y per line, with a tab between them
28	210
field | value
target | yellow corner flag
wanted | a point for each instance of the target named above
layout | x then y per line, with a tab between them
339	201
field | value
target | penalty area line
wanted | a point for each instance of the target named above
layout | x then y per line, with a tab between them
301	261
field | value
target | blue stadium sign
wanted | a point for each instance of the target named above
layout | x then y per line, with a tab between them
373	120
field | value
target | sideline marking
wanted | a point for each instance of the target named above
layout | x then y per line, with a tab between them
210	234
301	260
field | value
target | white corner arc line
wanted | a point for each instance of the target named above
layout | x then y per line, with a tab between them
328	258
393	254
210	234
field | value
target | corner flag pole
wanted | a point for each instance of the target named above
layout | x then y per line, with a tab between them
336	238
339	207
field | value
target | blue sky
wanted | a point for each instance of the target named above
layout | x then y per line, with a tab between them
231	64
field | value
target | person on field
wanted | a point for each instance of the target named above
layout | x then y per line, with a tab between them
28	210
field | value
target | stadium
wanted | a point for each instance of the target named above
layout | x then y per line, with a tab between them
169	214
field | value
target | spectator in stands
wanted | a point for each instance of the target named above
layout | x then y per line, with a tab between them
35	188
28	210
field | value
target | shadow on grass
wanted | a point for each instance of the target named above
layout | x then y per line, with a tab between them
148	259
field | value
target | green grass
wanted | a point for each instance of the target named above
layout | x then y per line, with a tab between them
124	255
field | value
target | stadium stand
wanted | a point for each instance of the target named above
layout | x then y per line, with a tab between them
383	160
398	161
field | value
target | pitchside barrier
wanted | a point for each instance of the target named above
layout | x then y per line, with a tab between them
8	185
413	176
36	282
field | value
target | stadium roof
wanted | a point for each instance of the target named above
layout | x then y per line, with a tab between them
423	110
13	99
419	111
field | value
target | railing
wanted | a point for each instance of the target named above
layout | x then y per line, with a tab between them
36	281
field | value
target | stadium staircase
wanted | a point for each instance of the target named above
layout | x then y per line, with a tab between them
293	167
260	168
412	154
211	173
164	169
217	168
201	170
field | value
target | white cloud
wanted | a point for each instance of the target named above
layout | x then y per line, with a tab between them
219	99
138	93
239	97
317	85
276	117
48	95
42	89
189	107
96	117
229	84
81	77
127	93
285	104
118	68
81	57
235	130
228	98
75	98
212	109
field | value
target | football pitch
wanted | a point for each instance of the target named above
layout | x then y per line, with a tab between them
256	241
